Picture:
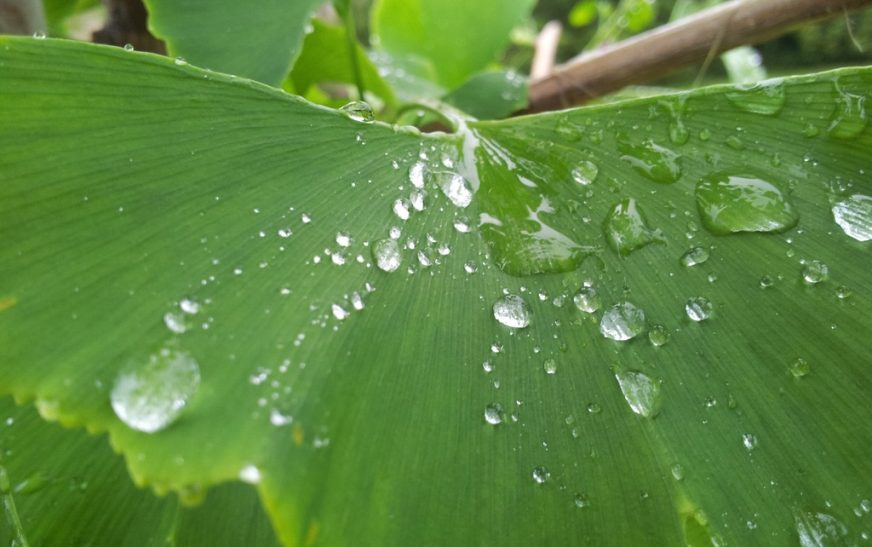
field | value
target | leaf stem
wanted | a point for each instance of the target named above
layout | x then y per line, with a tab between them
11	510
347	15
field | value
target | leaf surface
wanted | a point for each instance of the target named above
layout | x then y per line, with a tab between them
147	188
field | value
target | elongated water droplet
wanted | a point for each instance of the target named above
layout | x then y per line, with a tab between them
622	321
175	322
386	253
854	216
694	256
358	111
541	474
743	203
699	308
849	118
512	311
641	392
677	472
587	300
759	98
339	312
455	187
150	396
585	172
626	228
656	162
493	414
417	173
814	272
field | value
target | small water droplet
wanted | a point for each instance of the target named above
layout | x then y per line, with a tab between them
594	408
799	368
249	474
854	216
622	321
585	172
358	111
512	311
150	396
658	335
641	392
541	475
343	239
749	441
843	292
278	419
626	229
766	282
39	35
694	256
743	203
386	253
401	209
189	306
587	300
339	312
417	173
581	501
814	272
678	472
760	98
849	117
493	414
180	61
470	267
488	366
699	308
175	322
128	47
550	366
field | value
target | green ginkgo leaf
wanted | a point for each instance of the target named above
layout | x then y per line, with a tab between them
520	333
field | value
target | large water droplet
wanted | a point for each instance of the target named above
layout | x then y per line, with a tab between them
759	98
386	253
512	311
854	216
151	396
358	111
585	172
587	300
814	272
641	392
658	335
849	118
416	174
743	203
699	308
694	256
622	321
455	187
820	530
493	414
626	229
656	162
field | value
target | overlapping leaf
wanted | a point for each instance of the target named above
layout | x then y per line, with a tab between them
153	206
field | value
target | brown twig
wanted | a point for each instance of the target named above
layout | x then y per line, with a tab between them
658	52
545	52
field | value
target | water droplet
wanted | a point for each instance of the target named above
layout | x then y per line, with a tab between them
587	300
641	392
854	216
461	224
550	366
585	172
677	472
567	130
488	366
343	239
39	35
626	229
810	131
401	209
512	311
849	117
416	174
33	483
189	306
658	335
339	312
622	321
656	162
743	203
541	475
699	308
694	256
416	198
470	267
455	187
581	501
493	414
175	322
358	111
284	233
128	47
819	530
249	474
386	253
151	396
305	218
799	368
814	272
766	282
594	408
749	441
843	292
278	419
180	61
759	98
